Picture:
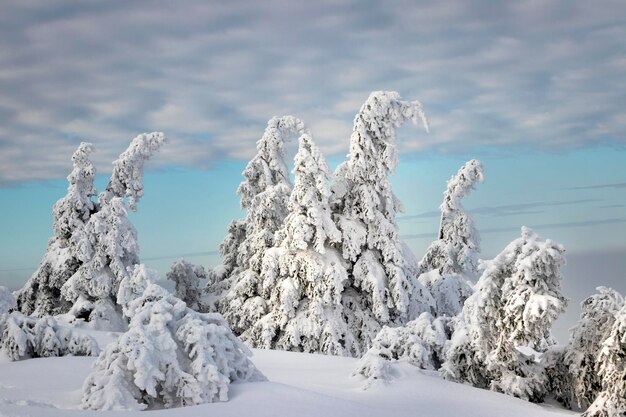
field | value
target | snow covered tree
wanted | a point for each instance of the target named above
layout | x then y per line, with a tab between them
107	244
188	279
580	356
42	293
458	246
303	275
23	337
7	300
421	343
450	263
611	401
517	299
265	195
170	356
381	289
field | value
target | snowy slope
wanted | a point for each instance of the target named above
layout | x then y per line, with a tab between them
299	384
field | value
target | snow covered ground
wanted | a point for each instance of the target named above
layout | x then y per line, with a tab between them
299	384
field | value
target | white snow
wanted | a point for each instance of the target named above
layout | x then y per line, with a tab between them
299	384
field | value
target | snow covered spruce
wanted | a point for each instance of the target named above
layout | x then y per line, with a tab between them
573	371
302	275
450	264
107	245
42	293
515	302
611	401
381	289
265	195
170	355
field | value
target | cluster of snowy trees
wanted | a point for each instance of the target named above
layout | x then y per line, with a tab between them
316	265
169	354
94	243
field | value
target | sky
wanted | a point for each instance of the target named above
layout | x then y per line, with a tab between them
533	89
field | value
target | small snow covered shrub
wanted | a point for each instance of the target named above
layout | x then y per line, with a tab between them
611	401
514	304
170	356
421	343
23	337
188	279
7	301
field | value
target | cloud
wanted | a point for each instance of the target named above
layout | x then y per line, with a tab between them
210	74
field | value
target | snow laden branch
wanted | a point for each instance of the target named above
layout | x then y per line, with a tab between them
171	356
127	176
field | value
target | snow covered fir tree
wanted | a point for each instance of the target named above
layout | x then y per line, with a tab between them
516	300
42	293
381	289
303	275
107	245
450	264
265	195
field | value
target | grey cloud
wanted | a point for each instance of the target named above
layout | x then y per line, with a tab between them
210	74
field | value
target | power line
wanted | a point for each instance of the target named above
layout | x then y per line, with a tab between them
153	258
